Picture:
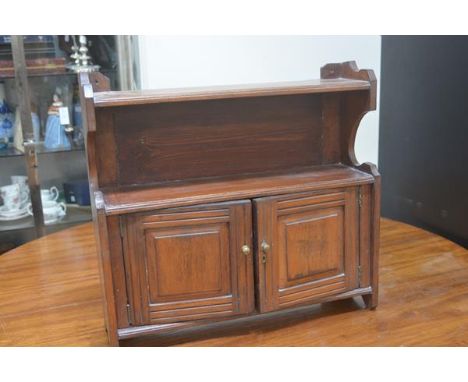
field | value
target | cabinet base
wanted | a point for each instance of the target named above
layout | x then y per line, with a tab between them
137	331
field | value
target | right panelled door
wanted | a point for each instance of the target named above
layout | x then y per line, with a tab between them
307	247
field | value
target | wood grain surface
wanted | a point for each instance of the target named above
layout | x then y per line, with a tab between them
175	194
194	140
142	97
50	296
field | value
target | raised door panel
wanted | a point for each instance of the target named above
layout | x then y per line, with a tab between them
311	247
178	259
187	264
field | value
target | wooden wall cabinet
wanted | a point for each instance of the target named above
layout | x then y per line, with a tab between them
217	203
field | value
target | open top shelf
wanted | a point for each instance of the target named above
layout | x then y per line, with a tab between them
149	197
150	149
142	97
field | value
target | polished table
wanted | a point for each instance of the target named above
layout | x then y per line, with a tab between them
50	296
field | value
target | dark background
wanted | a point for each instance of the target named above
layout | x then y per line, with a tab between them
423	144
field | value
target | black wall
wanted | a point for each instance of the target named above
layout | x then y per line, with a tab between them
423	144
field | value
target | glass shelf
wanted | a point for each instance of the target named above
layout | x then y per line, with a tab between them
75	214
24	223
39	74
10	152
40	149
53	74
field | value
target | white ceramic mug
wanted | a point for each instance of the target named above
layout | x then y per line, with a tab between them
11	195
51	194
52	210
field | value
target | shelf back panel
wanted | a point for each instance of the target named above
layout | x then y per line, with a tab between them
161	142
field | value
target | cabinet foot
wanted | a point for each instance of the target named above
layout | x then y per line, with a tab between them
371	301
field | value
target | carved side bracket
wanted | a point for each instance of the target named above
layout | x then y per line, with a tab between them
354	105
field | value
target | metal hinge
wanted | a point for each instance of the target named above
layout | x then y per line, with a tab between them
129	314
360	198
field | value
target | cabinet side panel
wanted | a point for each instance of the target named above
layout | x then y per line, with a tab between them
365	235
105	269
118	270
375	241
88	83
374	232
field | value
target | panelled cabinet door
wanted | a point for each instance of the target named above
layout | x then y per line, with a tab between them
307	247
190	263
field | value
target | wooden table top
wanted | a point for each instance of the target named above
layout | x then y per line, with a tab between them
50	295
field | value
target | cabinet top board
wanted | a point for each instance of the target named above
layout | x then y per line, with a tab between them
141	97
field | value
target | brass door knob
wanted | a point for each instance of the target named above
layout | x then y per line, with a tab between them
265	247
245	249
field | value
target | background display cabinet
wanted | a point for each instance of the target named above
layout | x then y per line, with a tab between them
41	131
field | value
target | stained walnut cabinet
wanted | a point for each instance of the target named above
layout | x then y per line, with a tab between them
213	204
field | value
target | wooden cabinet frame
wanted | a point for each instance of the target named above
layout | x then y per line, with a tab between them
228	202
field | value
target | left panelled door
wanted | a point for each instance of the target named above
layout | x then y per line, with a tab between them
190	263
